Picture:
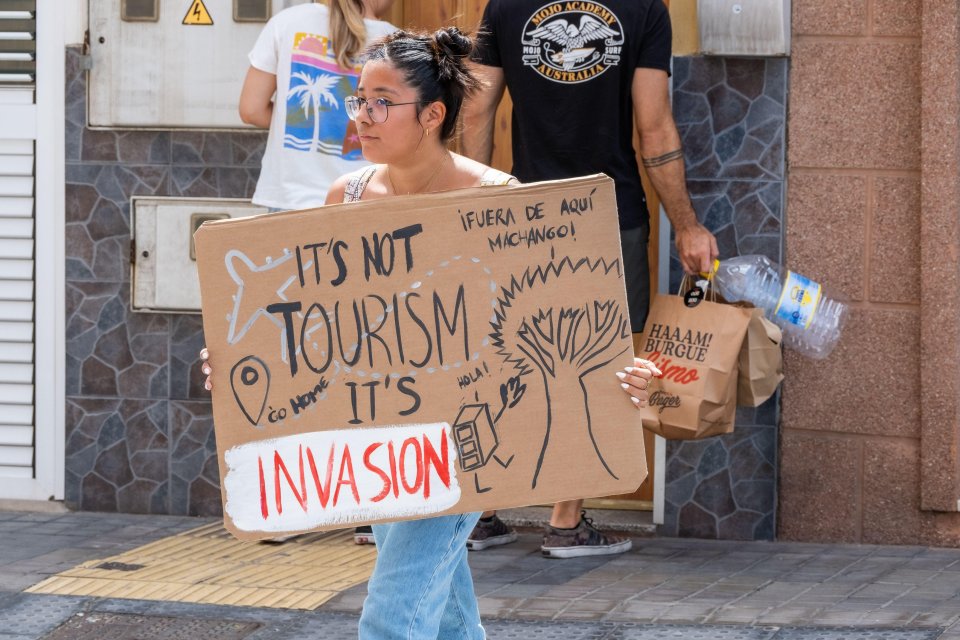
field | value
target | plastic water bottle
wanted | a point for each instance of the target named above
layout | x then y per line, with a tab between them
811	321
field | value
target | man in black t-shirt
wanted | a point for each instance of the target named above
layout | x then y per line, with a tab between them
580	74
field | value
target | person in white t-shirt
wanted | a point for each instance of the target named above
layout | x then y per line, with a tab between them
302	67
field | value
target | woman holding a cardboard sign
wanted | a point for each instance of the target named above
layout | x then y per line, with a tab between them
409	97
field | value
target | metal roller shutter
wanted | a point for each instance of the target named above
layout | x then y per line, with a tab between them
17	237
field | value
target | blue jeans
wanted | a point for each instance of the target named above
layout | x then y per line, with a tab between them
421	588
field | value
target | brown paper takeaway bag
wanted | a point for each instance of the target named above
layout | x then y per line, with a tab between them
761	361
697	349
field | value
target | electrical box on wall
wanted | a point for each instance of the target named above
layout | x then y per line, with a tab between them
744	27
162	256
172	63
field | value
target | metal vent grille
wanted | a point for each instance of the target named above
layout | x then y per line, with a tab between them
18	42
251	10
140	10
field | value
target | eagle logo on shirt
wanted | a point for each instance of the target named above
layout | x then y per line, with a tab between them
572	42
573	39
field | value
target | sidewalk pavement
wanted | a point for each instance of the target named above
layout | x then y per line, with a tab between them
662	588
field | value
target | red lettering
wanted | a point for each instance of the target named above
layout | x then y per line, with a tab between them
346	464
377	470
322	491
393	469
680	375
264	511
441	463
406	467
278	465
418	460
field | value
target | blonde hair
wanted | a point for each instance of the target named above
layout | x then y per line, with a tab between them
347	29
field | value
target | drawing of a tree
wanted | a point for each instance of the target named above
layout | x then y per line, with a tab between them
565	343
313	93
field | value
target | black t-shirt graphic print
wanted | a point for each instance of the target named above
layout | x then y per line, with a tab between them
569	69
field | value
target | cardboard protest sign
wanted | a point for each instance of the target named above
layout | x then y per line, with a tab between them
419	355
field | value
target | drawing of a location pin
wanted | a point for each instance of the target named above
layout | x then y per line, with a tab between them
250	381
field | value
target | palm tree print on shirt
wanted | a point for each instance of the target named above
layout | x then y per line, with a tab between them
313	93
315	121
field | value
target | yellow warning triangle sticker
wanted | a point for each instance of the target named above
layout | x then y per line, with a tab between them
197	14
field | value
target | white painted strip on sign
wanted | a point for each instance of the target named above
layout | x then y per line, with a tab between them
16	147
15	185
16	227
16	456
16	207
17	414
16	332
16	393
16	352
16	165
16	269
16	373
16	290
255	506
16	436
16	248
18	473
16	311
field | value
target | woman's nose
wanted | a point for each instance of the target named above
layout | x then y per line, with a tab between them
363	115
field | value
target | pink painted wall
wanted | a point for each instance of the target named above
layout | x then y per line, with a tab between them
868	440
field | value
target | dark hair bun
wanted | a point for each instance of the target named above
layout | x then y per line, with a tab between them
453	43
435	65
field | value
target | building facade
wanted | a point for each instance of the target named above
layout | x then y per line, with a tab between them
840	161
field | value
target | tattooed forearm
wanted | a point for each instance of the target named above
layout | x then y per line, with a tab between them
668	157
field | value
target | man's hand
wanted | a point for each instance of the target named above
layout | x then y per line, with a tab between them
697	248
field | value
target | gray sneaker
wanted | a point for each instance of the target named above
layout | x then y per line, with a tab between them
582	540
490	534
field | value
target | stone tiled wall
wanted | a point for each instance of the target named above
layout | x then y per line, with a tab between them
139	432
731	114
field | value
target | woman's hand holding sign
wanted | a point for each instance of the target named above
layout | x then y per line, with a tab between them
206	369
636	380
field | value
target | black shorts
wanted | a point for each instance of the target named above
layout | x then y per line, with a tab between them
636	272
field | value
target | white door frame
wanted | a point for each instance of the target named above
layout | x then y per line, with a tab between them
49	300
660	444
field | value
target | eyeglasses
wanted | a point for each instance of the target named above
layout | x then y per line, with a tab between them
378	109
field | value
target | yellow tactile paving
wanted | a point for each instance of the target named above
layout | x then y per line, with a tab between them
208	566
